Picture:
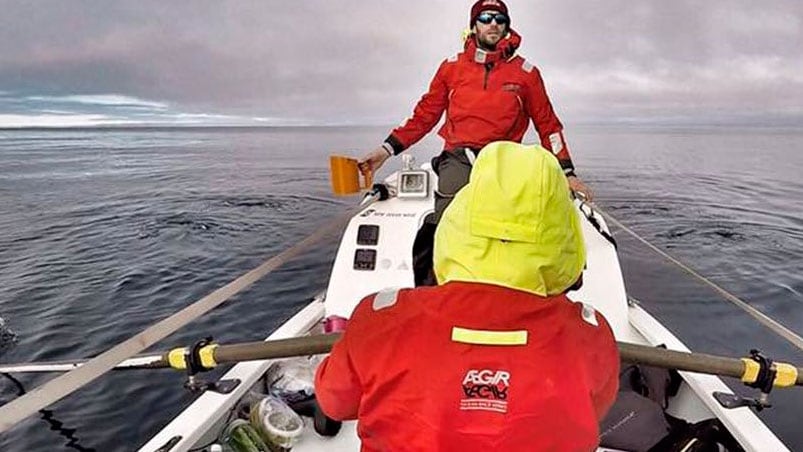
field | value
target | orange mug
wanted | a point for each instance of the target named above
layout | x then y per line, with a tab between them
345	175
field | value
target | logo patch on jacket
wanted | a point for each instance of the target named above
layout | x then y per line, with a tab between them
514	87
485	390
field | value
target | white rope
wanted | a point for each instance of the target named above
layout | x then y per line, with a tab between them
59	387
764	319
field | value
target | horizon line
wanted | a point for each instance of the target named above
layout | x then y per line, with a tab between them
587	123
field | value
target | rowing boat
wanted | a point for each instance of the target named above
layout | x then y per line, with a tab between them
375	253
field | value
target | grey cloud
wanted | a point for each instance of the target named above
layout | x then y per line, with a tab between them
102	100
351	61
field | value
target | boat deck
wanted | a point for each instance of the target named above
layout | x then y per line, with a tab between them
394	224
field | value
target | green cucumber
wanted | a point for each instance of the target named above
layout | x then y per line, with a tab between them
256	439
242	437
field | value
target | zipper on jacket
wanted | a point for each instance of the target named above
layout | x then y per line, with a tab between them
488	67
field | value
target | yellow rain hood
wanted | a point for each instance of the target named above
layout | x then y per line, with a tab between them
513	225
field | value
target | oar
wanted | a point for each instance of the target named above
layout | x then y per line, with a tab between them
215	354
774	326
219	354
52	391
745	369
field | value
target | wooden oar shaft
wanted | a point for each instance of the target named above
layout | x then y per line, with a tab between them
703	363
632	353
671	359
233	353
281	348
322	343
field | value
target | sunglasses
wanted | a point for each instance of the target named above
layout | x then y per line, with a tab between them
487	18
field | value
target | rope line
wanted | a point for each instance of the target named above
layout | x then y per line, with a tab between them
762	318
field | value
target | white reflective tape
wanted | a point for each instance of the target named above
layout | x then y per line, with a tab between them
527	67
556	141
385	299
452	58
590	315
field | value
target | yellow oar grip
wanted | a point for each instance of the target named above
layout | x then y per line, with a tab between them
207	354
786	375
176	358
751	369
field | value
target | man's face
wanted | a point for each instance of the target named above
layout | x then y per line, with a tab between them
489	30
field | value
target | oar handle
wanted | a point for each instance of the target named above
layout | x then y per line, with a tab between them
787	375
280	348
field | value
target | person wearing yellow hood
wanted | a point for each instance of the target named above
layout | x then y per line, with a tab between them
496	356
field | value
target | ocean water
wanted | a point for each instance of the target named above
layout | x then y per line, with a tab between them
106	232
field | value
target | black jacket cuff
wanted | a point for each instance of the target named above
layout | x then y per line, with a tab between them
397	146
568	168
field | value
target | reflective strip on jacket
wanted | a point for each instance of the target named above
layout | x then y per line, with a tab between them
406	367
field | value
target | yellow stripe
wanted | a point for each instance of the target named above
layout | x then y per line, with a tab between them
176	358
208	356
751	369
786	376
484	337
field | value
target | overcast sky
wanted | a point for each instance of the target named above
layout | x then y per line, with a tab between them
363	62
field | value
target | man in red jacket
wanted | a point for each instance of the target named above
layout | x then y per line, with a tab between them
496	357
489	94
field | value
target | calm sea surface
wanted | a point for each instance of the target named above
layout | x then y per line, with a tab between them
105	232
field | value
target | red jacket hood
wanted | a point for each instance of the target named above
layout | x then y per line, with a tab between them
505	48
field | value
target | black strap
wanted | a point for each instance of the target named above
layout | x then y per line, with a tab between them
766	373
703	436
594	222
194	363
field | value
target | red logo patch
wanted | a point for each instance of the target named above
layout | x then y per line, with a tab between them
485	390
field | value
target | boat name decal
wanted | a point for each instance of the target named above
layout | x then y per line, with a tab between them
373	212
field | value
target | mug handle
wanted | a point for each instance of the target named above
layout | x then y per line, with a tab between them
368	178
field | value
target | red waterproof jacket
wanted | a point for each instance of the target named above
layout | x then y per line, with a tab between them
484	102
407	368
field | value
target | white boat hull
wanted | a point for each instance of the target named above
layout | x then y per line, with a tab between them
398	220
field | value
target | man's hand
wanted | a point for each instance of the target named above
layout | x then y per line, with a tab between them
576	185
373	160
